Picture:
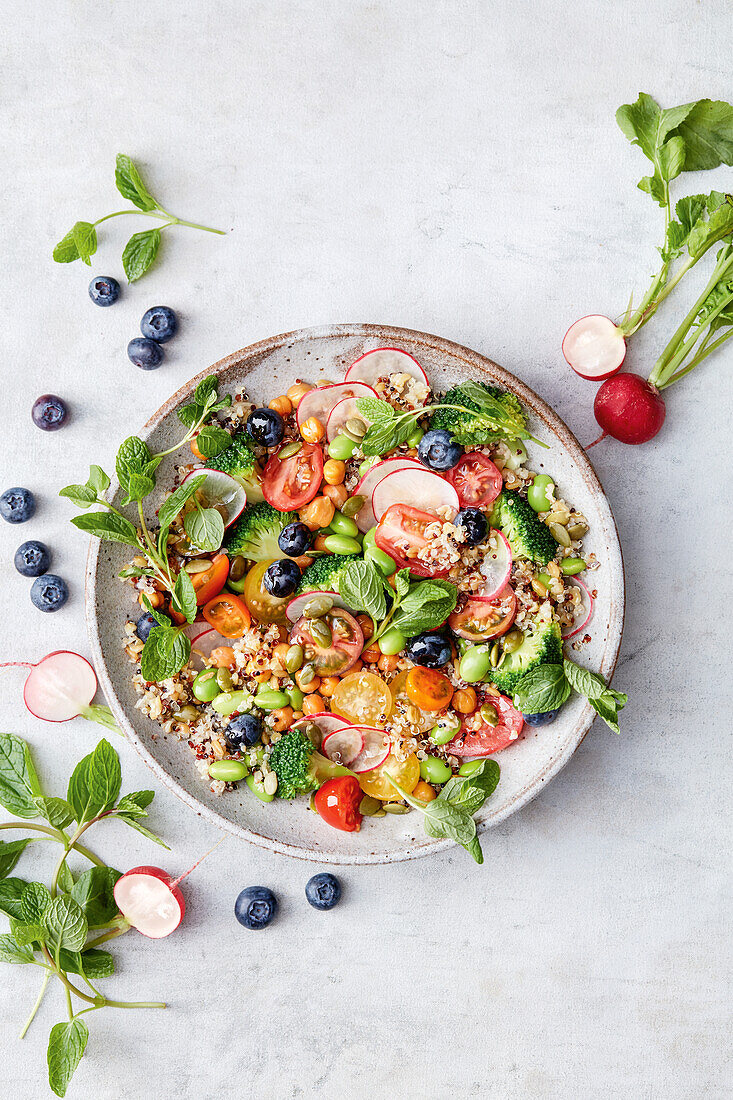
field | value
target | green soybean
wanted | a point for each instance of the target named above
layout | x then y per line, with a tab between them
434	770
258	790
369	537
540	493
441	735
391	642
475	663
229	771
571	566
271	700
341	447
205	687
383	562
365	466
544	578
469	768
343	525
340	544
296	697
414	437
229	701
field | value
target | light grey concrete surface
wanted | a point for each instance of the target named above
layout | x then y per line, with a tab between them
452	167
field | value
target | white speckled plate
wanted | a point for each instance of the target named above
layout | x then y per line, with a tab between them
266	369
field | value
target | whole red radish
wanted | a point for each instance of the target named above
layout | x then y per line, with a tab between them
629	408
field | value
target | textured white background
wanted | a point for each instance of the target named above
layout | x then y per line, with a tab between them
453	167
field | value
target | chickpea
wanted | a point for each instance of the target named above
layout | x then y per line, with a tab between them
312	431
424	791
297	391
297	715
222	657
464	700
313	704
309	685
318	513
336	493
387	662
328	686
282	405
320	542
391	579
261	676
196	452
155	598
366	624
334	471
279	654
303	561
356	667
283	718
371	654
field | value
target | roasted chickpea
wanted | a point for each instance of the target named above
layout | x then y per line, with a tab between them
366	624
424	791
336	493
303	561
328	686
312	431
282	405
371	654
320	543
297	391
356	667
279	654
156	599
334	471
195	451
318	513
313	704
222	657
464	700
387	662
283	718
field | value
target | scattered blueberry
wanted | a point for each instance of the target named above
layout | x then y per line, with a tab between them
265	426
49	593
541	719
159	323
295	539
145	624
49	412
104	290
323	891
474	523
144	353
17	505
243	731
282	578
32	559
437	451
255	907
431	650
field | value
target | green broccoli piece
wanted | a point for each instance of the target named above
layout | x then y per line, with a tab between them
542	645
239	461
298	767
469	430
528	536
323	574
255	534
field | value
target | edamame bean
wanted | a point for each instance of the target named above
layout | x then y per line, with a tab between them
512	641
544	578
441	735
340	544
470	767
434	770
369	537
475	663
414	437
352	507
237	586
229	771
365	466
296	697
571	566
258	790
267	699
383	562
541	493
342	525
229	701
391	642
341	447
205	687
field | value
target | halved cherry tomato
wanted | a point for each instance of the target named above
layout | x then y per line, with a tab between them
210	582
263	606
337	801
487	740
401	529
344	651
476	479
288	484
405	772
228	614
428	689
480	619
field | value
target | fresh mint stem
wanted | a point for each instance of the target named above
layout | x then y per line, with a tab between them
37	1005
161	215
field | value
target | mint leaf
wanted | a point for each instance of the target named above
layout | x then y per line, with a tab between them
92	963
11	891
172	505
165	653
66	251
375	409
360	585
104	777
426	606
81	495
132	466
11	952
10	853
107	525
85	239
543	688
66	1045
26	934
65	924
97	479
94	893
205	529
184	596
56	811
130	184
402	583
212	441
66	879
139	253
18	780
141	829
135	804
34	901
605	700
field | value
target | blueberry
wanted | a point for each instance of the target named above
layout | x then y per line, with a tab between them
323	891
32	559
282	578
104	290
159	323
255	907
49	593
17	505
295	539
474	523
431	650
265	426
145	354
243	731
437	451
145	624
541	719
49	412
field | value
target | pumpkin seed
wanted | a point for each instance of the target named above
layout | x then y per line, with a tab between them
290	449
198	565
356	426
513	640
321	632
495	654
577	530
351	435
353	506
369	806
224	679
395	808
489	714
318	607
559	533
307	675
238	568
187	714
313	733
538	588
294	658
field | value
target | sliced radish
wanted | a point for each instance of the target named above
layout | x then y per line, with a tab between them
150	900
340	413
343	745
381	363
320	401
203	642
588	603
365	519
60	687
594	347
417	487
374	752
294	610
496	566
220	488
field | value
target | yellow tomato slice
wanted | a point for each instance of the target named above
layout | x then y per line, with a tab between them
405	772
362	698
263	607
401	701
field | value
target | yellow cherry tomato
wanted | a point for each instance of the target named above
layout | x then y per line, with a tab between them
263	607
363	698
405	772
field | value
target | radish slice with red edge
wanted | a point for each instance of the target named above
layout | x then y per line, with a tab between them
416	487
327	723
340	413
149	899
375	751
588	603
343	745
220	488
496	566
594	347
320	401
379	364
60	687
294	610
203	642
365	518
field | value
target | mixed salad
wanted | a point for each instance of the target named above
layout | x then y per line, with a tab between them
358	593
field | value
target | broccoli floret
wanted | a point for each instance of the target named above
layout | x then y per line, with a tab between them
298	767
323	574
239	461
255	534
542	645
471	431
528	536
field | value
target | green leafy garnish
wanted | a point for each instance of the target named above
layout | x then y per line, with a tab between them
413	608
546	687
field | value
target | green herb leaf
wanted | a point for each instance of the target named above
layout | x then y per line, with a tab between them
66	251
212	441
361	586
98	480
135	804
543	688
104	777
161	619
56	811
11	891
141	829
94	892
66	1045
10	853
135	571
139	253
184	596
605	700
707	131
11	952
65	924
426	606
376	409
66	879
445	820
132	466
26	934
165	653
34	901
402	583
107	525
83	496
645	124
470	792
91	964
205	529
85	239
130	184
386	434
19	784
172	505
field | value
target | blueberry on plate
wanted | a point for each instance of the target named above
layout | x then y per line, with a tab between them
255	907
159	324
49	412
282	578
145	624
49	593
474	523
243	731
431	649
265	426
17	505
144	353
32	559
104	290
295	539
541	718
323	891
437	451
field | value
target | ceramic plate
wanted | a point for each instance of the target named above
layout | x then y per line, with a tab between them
266	369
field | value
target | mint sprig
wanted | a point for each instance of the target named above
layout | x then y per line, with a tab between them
547	687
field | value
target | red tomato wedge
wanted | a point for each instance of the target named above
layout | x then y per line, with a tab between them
289	484
337	801
345	648
480	620
486	740
476	479
228	614
211	581
401	529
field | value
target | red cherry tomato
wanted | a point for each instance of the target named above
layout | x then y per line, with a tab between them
288	484
211	581
487	740
401	529
480	620
476	479
337	801
228	614
345	648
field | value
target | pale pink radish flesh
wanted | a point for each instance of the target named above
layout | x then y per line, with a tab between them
150	901
345	410
375	751
60	687
203	642
294	610
496	566
594	347
588	603
381	363
419	488
320	401
327	723
365	519
343	745
220	488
